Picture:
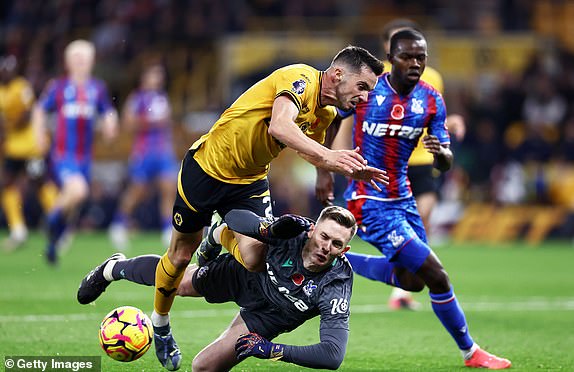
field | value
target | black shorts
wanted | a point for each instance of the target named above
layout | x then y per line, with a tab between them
205	194
422	179
35	168
14	166
226	280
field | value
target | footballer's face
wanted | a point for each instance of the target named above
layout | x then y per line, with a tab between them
80	62
327	241
153	77
409	59
354	87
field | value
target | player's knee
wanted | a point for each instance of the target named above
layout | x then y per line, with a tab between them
201	363
182	247
254	265
439	281
185	288
413	286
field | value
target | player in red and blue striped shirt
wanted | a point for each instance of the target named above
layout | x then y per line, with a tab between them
77	101
387	128
148	114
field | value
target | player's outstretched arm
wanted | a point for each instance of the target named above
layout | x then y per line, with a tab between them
327	354
264	229
283	128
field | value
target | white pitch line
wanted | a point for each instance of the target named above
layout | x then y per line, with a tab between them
485	306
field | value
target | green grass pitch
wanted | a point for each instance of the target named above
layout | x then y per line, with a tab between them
519	302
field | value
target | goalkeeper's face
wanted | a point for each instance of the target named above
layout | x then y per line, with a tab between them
327	241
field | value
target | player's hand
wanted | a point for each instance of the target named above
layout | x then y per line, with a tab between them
346	162
257	346
286	227
110	126
456	125
372	175
324	187
432	144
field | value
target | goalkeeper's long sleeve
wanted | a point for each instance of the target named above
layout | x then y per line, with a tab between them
327	354
267	230
245	222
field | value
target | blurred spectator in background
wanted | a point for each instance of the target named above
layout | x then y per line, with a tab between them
147	114
23	160
77	99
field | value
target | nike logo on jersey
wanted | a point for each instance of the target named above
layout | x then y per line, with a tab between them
391	130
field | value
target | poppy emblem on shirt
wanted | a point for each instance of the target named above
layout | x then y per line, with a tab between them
398	112
297	278
299	86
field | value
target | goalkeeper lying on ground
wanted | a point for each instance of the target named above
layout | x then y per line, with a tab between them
306	276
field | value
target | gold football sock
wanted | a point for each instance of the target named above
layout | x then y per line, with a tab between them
167	279
230	243
12	204
47	195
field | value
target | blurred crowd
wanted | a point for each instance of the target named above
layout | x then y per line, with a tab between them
519	146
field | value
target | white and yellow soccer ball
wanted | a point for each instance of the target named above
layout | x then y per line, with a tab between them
126	333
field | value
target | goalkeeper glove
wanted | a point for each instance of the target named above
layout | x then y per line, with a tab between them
285	227
257	346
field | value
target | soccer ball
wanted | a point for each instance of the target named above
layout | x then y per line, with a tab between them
126	333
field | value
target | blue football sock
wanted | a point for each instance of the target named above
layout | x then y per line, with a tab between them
119	218
447	309
373	267
56	221
56	225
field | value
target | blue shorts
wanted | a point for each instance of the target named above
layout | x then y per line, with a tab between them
395	228
66	167
144	168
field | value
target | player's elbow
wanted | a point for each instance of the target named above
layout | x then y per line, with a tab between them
335	356
274	130
333	363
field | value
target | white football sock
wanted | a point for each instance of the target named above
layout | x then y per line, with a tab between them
159	320
108	270
467	354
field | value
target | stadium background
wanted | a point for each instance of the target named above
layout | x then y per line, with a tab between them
507	65
511	187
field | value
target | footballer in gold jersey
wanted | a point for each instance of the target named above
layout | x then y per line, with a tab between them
227	168
20	150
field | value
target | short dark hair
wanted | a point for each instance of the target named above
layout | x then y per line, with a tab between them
357	57
340	215
396	24
406	34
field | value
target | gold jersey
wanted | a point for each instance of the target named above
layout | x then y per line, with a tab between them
420	155
16	99
238	149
